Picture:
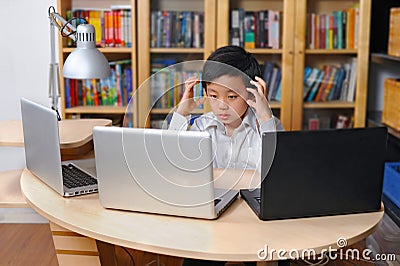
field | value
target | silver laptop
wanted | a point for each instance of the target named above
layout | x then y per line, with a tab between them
43	157
158	171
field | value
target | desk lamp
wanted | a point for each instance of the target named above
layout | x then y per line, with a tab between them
85	62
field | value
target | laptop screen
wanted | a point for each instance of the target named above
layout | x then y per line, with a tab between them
42	144
322	172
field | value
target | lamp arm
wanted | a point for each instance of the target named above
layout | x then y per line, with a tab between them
65	27
96	64
54	71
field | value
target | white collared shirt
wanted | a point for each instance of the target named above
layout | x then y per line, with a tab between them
241	150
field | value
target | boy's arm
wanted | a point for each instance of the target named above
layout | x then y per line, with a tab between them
180	122
273	124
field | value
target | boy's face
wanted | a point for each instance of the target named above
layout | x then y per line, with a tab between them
227	97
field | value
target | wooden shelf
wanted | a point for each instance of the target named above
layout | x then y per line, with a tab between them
275	105
96	110
265	51
165	111
375	120
328	105
113	50
332	51
381	58
177	50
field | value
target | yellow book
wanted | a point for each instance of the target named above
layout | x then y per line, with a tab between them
330	31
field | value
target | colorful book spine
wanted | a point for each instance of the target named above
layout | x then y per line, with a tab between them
113	90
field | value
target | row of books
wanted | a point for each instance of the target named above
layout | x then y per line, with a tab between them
256	29
331	82
168	84
338	30
115	90
183	29
113	26
272	75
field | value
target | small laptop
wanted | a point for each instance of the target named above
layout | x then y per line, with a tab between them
158	171
318	173
43	157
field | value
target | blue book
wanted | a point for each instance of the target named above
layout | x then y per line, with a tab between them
335	92
128	84
279	93
340	29
67	93
315	87
277	84
268	67
308	84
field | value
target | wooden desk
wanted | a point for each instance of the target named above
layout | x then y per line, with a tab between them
11	133
10	190
236	236
75	135
75	142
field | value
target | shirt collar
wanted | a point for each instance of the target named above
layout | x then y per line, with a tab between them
250	119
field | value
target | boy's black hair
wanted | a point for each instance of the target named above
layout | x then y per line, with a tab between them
235	61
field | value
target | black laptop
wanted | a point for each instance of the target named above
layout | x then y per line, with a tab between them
317	173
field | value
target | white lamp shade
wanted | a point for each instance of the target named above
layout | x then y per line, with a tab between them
86	63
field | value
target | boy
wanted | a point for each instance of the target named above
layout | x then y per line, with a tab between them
235	128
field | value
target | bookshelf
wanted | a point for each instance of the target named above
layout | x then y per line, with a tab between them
147	52
281	56
305	55
111	53
292	56
295	54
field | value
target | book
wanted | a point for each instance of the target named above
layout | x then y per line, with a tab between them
235	29
276	84
335	92
327	69
343	121
313	123
315	86
331	83
309	82
345	84
271	86
249	27
352	81
274	29
267	73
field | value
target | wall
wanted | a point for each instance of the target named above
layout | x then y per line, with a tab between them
24	54
24	64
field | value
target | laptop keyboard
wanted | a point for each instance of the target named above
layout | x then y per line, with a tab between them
73	177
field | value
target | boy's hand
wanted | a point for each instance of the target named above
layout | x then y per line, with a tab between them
260	102
187	103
